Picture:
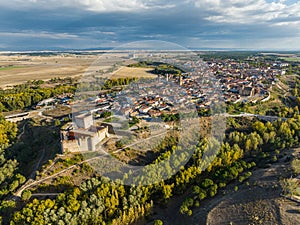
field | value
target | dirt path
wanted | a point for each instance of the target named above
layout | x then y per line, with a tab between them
23	131
33	174
31	182
139	142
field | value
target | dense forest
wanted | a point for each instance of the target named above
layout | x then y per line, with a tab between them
159	68
10	177
25	96
235	55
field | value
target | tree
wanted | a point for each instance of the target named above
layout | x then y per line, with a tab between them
158	222
119	144
296	165
26	195
184	208
213	190
167	191
259	127
295	92
57	123
106	114
298	101
289	186
207	183
134	121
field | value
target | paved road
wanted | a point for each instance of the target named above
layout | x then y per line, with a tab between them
31	114
262	117
44	194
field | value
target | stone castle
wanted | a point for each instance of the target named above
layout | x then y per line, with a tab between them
82	135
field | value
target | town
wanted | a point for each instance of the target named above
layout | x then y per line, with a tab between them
142	113
189	88
170	95
238	82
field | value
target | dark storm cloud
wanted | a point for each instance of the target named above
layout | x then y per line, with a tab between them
192	23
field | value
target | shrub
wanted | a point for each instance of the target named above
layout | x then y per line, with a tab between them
26	195
207	183
158	222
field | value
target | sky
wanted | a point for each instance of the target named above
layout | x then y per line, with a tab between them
193	24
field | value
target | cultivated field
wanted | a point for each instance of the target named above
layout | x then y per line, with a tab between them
291	59
133	72
17	69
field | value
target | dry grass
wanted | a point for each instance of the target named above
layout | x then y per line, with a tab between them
19	69
59	111
133	72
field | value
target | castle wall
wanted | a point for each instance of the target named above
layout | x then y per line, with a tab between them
83	143
70	146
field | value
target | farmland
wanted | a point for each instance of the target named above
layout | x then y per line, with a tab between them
133	72
291	59
18	69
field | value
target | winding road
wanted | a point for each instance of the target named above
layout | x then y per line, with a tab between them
31	182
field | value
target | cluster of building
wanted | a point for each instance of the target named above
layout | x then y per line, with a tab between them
242	82
199	88
167	94
64	99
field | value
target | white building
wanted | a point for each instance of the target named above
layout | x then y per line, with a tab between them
83	135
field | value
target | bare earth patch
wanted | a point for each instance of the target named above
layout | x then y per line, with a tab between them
258	203
253	204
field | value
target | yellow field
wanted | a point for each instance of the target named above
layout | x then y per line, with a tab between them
133	72
18	69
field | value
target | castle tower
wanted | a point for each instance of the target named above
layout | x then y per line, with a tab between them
84	121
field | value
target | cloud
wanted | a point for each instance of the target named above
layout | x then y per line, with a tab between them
194	23
32	34
248	11
121	5
93	5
